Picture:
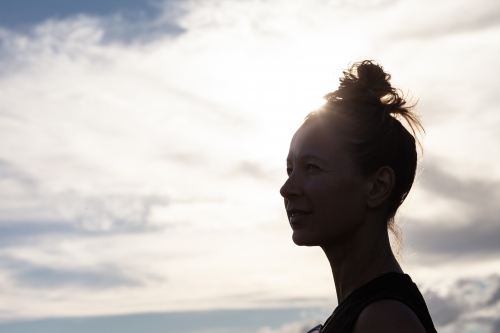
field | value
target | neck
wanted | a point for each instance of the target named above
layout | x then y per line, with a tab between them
364	257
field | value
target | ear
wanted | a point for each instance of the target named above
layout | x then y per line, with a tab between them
381	185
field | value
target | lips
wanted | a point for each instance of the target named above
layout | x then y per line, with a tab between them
297	216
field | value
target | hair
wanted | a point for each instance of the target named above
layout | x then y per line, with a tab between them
368	111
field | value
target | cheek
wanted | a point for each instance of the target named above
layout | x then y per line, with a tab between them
337	200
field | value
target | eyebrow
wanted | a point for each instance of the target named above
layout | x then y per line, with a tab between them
309	156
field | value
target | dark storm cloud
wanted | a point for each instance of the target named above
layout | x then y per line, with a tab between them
30	275
479	199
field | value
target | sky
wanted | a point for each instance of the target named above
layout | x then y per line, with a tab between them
143	145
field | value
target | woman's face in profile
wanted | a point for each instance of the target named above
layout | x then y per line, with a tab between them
324	193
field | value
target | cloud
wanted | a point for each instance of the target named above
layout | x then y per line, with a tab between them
481	194
34	276
10	172
443	310
478	201
444	19
16	233
72	214
257	172
48	215
466	242
496	327
464	303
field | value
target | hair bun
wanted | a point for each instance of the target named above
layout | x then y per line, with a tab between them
367	82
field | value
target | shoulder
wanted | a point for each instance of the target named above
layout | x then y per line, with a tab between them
388	316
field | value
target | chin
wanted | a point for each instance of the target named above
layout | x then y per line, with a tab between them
301	238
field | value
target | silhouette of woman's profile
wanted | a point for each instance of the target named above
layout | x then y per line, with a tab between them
350	166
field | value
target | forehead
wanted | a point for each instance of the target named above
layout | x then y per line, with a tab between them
316	138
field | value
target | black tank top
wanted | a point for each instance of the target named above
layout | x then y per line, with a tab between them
394	286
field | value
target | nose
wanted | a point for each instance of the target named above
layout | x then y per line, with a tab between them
291	188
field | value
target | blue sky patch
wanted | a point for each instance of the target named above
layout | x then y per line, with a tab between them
125	20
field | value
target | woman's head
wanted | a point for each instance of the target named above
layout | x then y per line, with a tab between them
360	121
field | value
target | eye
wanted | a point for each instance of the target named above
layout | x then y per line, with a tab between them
312	167
289	171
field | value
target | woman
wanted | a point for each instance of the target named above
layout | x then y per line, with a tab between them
350	166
